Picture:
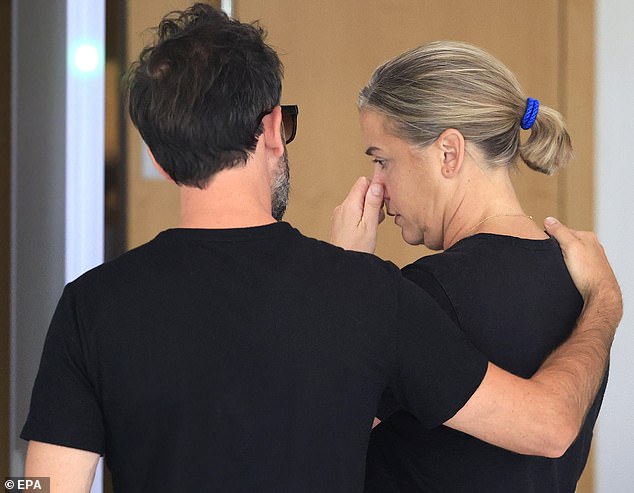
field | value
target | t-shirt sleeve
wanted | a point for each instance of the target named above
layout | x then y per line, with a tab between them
64	408
419	275
427	281
437	368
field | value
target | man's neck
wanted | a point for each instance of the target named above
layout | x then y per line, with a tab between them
235	198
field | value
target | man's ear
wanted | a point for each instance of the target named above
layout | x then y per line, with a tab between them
273	137
451	143
157	165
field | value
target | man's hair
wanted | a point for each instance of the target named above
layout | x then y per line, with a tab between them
198	94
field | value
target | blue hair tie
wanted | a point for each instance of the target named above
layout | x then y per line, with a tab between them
532	107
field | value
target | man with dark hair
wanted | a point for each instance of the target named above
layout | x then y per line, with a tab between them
199	95
234	354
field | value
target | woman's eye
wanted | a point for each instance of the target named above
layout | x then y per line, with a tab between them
380	162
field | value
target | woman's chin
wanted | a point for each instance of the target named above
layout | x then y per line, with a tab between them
416	238
410	238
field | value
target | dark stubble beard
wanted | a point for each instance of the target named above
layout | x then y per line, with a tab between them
280	188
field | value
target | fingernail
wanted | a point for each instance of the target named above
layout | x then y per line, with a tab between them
550	221
376	190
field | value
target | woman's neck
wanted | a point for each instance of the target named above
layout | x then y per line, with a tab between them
486	202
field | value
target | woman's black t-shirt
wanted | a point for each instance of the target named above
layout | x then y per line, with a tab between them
516	302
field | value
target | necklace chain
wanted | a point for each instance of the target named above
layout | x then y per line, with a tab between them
497	215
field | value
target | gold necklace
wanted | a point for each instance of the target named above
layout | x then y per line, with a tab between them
497	215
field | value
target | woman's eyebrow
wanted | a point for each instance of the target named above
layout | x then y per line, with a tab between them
371	150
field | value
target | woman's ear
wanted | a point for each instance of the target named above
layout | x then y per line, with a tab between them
159	168
272	131
451	143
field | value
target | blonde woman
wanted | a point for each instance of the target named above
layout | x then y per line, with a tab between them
443	125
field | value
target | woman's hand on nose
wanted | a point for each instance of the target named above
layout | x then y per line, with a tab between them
355	221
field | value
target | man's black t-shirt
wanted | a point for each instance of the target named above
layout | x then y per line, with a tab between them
515	301
242	360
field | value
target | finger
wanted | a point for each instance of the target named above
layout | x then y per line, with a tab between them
356	195
564	235
381	215
373	204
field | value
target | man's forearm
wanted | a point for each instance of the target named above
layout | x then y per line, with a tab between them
575	370
542	415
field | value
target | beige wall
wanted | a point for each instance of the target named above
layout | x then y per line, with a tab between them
576	183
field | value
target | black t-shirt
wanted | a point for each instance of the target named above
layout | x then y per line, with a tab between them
242	360
515	301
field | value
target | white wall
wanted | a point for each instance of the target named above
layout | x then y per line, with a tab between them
615	225
57	171
38	194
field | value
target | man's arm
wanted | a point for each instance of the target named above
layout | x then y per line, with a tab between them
71	470
542	415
